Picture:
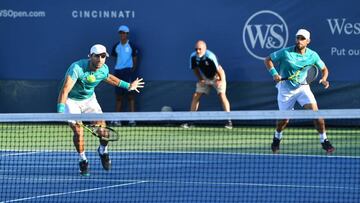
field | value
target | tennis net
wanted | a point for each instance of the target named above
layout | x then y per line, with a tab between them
162	160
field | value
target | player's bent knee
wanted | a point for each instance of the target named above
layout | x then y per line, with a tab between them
222	96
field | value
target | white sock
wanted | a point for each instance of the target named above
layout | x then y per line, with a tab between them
322	137
278	135
82	156
103	149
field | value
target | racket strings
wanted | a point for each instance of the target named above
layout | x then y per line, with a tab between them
312	74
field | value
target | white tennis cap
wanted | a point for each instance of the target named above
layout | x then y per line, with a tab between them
123	28
303	33
98	49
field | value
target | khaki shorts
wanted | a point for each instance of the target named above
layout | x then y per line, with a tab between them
205	89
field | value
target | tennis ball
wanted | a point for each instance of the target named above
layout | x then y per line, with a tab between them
91	78
166	109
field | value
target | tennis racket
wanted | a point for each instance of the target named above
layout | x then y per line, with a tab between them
305	75
102	132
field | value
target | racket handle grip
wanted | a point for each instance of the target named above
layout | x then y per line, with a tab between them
285	78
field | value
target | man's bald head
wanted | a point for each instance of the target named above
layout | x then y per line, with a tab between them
200	48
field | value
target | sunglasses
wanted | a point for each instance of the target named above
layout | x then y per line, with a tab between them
100	55
300	38
197	49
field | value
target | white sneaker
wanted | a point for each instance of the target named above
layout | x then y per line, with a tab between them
229	125
187	125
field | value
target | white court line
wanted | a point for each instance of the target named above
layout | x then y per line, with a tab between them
235	153
238	153
198	152
35	179
188	182
21	153
71	192
255	184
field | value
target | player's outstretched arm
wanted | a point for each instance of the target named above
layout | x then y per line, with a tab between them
112	80
138	83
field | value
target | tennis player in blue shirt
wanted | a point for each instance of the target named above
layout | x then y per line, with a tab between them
77	96
288	61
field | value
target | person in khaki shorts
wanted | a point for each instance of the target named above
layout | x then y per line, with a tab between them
210	75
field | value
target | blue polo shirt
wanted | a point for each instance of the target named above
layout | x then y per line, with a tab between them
124	54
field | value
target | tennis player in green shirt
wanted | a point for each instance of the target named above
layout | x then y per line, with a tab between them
77	96
288	61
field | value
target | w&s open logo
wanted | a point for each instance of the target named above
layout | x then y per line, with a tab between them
265	32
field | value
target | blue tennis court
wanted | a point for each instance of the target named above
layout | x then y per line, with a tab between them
45	176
